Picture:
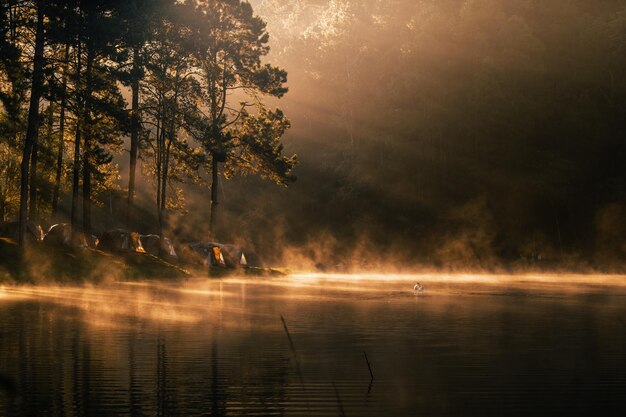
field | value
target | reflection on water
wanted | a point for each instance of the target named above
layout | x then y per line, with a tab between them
467	345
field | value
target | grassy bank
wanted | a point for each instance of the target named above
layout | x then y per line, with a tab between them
42	263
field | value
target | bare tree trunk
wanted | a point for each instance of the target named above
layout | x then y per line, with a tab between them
32	207
76	176
160	137
166	163
134	136
33	213
33	120
214	185
162	202
169	135
59	167
77	139
163	208
87	151
86	192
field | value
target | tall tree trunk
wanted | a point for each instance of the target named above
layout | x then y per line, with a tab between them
33	119
163	208
33	213
60	150
134	136
32	206
59	164
87	151
214	185
77	139
86	191
166	163
163	202
76	176
159	169
169	135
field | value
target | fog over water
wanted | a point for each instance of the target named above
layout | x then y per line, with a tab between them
466	345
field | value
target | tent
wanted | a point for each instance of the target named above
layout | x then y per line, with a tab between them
207	254
158	246
233	255
219	254
61	235
120	240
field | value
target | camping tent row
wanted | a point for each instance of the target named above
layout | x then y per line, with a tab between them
121	241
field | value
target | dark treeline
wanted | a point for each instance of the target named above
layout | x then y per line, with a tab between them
456	132
179	85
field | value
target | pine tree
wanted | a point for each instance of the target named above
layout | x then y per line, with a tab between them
170	95
233	43
32	127
13	94
139	18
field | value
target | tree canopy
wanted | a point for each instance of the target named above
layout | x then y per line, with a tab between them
66	68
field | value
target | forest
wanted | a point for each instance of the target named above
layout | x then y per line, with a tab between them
173	90
465	133
437	133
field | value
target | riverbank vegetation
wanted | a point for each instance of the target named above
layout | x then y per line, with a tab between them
43	263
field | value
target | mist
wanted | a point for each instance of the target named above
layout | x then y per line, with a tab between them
430	221
457	135
448	133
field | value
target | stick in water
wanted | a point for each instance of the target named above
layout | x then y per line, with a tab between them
293	349
339	403
295	358
368	366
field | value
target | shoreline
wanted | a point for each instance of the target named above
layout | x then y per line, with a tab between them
41	263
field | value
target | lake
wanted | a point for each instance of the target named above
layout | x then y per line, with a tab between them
468	345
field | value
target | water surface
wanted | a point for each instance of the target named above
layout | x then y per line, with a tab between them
466	346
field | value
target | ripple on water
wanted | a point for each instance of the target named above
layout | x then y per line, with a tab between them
219	348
